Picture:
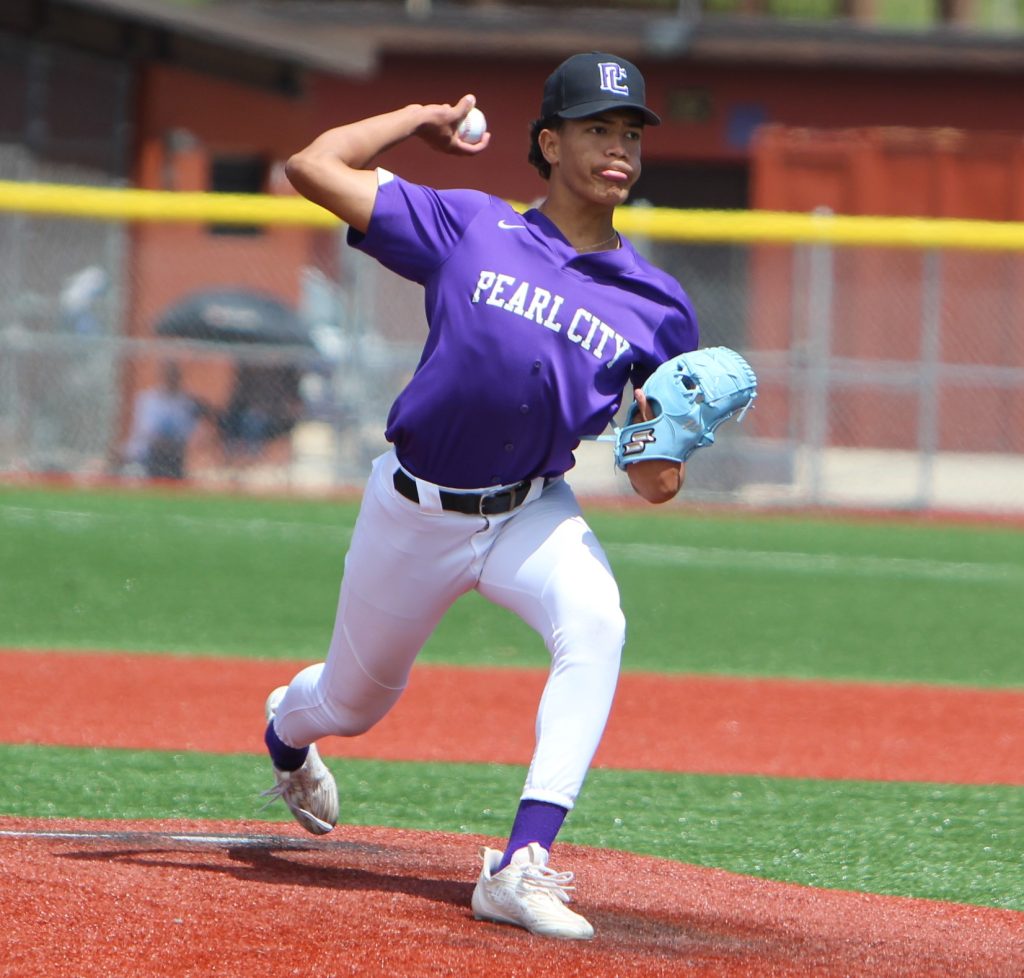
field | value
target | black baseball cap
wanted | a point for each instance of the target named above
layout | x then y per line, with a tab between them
587	84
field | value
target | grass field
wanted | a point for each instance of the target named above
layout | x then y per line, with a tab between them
758	596
704	593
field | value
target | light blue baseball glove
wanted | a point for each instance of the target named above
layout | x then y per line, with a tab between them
690	395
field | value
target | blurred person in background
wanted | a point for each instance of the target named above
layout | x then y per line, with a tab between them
164	419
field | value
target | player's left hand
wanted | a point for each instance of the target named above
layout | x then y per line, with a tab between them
656	480
642	411
439	128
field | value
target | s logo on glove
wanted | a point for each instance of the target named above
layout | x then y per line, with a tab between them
690	395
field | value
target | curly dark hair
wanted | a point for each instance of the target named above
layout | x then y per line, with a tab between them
535	157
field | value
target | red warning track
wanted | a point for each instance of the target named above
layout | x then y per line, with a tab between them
679	723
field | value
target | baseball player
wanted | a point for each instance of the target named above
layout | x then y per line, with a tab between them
537	323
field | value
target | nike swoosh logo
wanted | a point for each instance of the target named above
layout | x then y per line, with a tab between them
510	227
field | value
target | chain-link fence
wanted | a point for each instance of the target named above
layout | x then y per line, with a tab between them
890	377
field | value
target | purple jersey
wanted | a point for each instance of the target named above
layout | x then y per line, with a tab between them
530	344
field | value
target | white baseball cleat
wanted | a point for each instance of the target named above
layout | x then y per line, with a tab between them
528	893
310	792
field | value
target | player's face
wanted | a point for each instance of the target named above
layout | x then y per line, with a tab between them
598	158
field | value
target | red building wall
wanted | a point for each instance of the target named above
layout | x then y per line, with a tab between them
948	173
220	118
185	121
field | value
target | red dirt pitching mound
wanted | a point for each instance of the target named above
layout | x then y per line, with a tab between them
253	899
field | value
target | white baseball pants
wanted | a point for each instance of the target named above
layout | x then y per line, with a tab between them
408	563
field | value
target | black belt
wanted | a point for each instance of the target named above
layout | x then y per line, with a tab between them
471	503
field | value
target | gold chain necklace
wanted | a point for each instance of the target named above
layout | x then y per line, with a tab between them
599	244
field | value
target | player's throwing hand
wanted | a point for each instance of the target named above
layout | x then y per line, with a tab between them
440	128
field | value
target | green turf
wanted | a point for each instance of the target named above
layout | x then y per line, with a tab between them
706	593
936	841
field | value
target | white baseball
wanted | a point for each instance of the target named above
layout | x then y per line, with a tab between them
473	127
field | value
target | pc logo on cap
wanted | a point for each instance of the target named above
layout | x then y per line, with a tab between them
588	84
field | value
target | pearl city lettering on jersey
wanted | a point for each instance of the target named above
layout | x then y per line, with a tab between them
542	307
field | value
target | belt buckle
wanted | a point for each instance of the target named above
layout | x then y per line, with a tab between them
509	495
486	497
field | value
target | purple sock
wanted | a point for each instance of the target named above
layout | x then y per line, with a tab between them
536	821
284	758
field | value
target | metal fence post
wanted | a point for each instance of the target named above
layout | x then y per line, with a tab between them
820	290
928	377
